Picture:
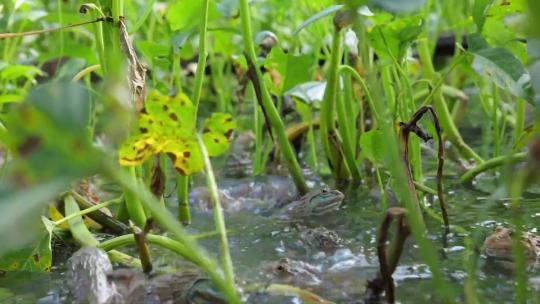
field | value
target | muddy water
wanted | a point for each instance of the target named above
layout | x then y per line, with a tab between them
256	240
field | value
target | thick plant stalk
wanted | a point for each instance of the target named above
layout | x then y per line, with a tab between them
268	105
348	143
133	206
183	181
439	104
328	132
492	163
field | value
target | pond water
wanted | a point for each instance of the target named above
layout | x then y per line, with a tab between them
256	240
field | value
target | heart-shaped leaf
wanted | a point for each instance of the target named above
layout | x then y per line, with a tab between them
167	125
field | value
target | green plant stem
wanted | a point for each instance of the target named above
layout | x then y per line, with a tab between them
388	90
367	92
447	91
86	71
492	163
201	63
141	20
495	121
348	144
520	119
76	225
327	129
182	191
167	222
273	115
217	210
439	104
517	184
98	37
133	206
176	78
424	188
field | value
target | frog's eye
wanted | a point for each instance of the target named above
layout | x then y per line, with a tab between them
324	191
280	268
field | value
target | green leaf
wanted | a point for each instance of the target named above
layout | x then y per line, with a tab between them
372	144
14	72
167	125
325	12
217	133
480	10
292	69
36	258
48	134
500	65
151	50
186	14
20	213
391	40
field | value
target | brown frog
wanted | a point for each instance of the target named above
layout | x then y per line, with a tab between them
321	238
293	272
499	244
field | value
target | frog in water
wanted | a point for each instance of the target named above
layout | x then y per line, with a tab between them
315	202
321	238
293	272
90	278
499	244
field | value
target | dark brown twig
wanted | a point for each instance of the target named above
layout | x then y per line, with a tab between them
99	216
142	248
411	126
252	75
388	261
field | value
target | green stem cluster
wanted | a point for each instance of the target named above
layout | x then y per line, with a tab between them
268	105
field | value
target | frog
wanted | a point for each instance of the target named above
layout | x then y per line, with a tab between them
270	198
499	244
314	203
321	239
90	278
185	287
293	272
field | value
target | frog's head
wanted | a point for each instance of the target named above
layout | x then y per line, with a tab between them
321	201
203	291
